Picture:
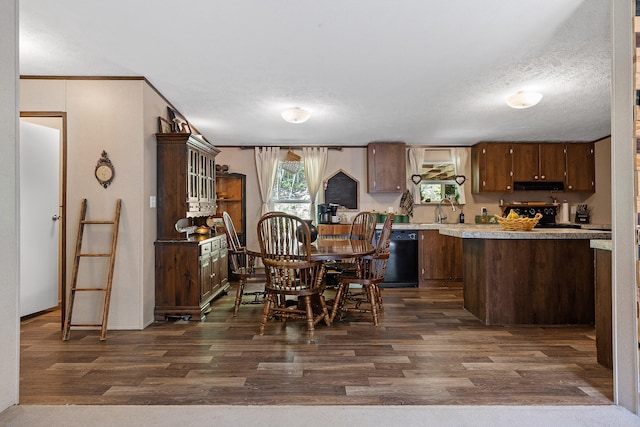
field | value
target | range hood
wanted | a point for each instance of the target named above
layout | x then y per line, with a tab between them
538	186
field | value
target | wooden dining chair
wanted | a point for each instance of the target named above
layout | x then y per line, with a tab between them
243	266
285	246
368	276
363	226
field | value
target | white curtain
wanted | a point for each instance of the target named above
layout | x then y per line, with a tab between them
266	167
459	157
416	158
315	164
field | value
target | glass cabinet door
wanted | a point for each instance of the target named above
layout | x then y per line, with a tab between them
193	172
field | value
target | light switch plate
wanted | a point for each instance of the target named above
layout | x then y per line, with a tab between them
152	201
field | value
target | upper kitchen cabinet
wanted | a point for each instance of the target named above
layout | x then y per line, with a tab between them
386	167
186	180
491	167
580	167
538	162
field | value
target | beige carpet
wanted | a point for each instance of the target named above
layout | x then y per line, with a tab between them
317	416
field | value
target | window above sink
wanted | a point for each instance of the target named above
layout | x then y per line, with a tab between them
438	173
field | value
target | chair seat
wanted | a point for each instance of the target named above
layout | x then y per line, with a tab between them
250	273
298	290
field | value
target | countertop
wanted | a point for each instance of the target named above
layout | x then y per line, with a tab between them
193	238
601	244
474	231
497	232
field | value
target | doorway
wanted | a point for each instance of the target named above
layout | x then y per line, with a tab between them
49	218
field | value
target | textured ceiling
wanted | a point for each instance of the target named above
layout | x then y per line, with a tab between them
423	72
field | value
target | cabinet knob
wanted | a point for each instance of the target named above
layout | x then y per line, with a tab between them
535	177
508	187
543	177
397	187
570	187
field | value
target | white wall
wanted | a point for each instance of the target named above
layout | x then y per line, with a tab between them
9	329
119	117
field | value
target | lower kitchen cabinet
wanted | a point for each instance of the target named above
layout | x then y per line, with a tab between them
603	302
190	273
439	260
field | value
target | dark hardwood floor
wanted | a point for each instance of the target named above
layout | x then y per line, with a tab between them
427	351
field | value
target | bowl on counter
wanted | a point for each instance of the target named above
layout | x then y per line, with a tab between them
203	230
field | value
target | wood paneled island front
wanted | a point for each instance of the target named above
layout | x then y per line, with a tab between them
543	276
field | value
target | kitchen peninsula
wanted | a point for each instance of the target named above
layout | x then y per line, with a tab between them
543	276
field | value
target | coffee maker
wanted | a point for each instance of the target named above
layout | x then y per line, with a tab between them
324	216
328	213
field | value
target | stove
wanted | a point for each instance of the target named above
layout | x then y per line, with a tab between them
530	209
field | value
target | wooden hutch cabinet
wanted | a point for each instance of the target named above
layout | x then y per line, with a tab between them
190	273
186	180
231	189
190	270
439	260
386	167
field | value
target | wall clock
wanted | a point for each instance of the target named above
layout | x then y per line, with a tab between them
104	170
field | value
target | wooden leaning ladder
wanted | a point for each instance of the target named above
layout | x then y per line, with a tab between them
76	263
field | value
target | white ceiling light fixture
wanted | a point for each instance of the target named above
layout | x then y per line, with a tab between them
296	115
523	99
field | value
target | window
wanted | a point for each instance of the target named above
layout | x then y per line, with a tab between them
438	177
291	193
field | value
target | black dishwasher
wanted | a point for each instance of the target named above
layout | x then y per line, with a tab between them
402	268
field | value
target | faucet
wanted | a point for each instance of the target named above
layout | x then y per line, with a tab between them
440	216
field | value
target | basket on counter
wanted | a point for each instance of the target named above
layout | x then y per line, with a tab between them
518	224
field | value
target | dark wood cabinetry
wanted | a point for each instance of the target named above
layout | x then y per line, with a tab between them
231	189
603	302
538	162
386	167
186	180
503	286
496	166
492	166
189	271
189	274
439	260
580	167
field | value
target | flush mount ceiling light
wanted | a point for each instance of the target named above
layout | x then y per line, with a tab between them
296	115
524	99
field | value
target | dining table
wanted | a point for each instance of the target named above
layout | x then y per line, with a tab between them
330	249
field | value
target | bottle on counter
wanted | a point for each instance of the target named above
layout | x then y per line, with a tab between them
461	220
